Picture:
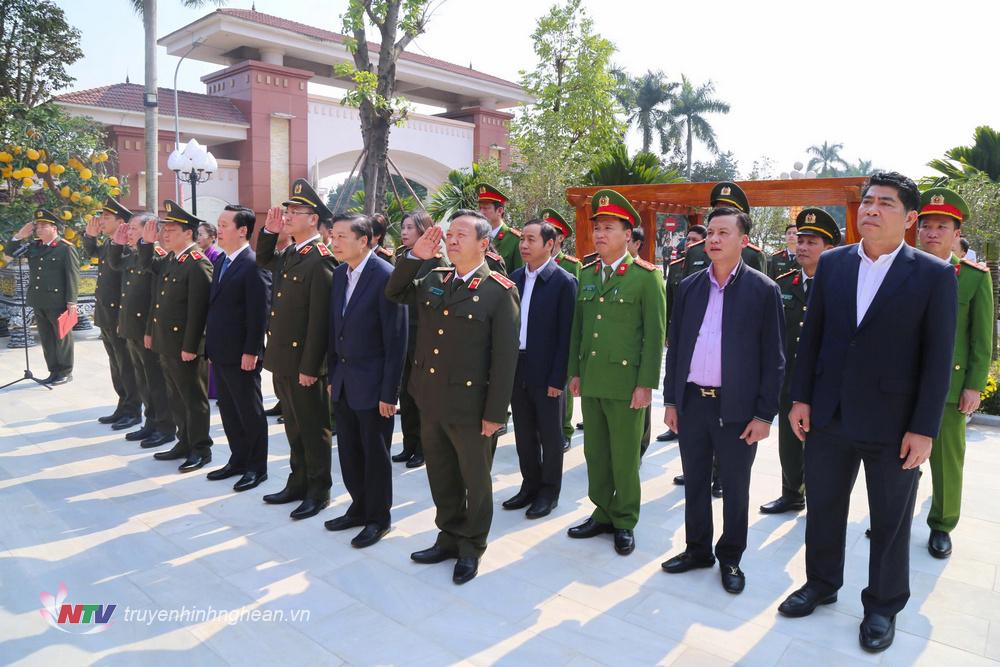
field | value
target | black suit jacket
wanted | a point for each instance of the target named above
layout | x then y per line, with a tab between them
367	340
890	374
237	309
550	320
753	357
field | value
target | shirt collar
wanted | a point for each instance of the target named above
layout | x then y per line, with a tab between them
614	265
315	237
361	265
186	250
884	259
468	275
495	230
715	283
534	274
236	253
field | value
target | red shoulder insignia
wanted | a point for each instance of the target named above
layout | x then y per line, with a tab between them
182	258
323	250
677	261
196	255
515	231
305	249
65	241
506	282
159	251
786	274
644	264
783	251
753	247
694	245
571	258
589	264
442	268
382	251
494	256
976	265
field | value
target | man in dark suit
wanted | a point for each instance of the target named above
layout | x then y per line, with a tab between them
871	377
234	342
547	303
365	363
723	375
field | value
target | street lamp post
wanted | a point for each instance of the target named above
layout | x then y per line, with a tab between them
194	164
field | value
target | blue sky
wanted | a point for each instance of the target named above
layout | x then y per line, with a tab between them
896	82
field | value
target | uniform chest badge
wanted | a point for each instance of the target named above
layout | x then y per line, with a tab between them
500	235
622	268
437	291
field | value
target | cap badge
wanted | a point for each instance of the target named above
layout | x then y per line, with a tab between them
604	201
811	218
482	190
298	188
726	191
937	200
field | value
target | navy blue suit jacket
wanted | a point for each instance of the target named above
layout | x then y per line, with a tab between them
237	309
368	340
550	320
890	374
753	357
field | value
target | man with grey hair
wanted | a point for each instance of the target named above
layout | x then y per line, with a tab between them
461	379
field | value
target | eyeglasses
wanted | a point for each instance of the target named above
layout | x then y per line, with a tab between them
291	213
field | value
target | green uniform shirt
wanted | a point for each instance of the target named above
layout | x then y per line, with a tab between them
181	286
505	244
619	328
568	262
974	334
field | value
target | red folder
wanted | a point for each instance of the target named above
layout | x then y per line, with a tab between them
67	321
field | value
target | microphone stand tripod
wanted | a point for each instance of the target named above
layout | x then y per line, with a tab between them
28	375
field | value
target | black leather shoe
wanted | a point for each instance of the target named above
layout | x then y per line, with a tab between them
250	480
716	488
281	420
939	544
283	497
624	541
567	442
308	508
273	412
371	534
666	436
433	555
143	433
106	419
733	579
156	440
868	533
402	457
466	570
415	461
679	480
46	380
519	501
126	422
343	523
195	462
541	507
172	454
683	562
877	632
782	505
589	528
60	379
225	472
804	602
579	426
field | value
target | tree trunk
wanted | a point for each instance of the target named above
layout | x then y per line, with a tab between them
152	129
689	147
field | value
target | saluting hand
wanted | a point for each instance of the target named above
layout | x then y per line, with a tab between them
426	246
798	416
915	449
24	232
273	221
93	229
149	231
120	237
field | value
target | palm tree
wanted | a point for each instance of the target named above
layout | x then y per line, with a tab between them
459	191
617	168
982	156
646	100
687	110
827	157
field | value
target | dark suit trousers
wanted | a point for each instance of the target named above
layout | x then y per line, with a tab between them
187	393
122	373
791	455
363	451
409	417
647	432
459	460
58	353
538	435
241	406
307	426
701	436
832	463
152	387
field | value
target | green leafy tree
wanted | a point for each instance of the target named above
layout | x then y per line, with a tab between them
963	162
617	168
646	100
827	158
723	168
459	191
688	109
36	47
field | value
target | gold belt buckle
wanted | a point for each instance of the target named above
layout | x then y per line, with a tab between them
707	393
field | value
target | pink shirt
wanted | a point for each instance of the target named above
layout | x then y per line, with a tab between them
706	361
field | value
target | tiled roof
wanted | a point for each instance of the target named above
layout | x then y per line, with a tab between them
128	97
328	36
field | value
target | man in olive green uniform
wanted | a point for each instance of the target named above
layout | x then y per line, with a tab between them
182	282
461	378
817	232
297	344
783	261
107	297
133	319
572	266
941	215
615	350
53	286
503	238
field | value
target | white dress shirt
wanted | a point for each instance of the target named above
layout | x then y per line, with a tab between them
236	253
870	277
614	265
315	237
468	275
529	286
353	275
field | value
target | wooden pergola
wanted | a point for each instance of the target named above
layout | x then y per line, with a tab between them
691	199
